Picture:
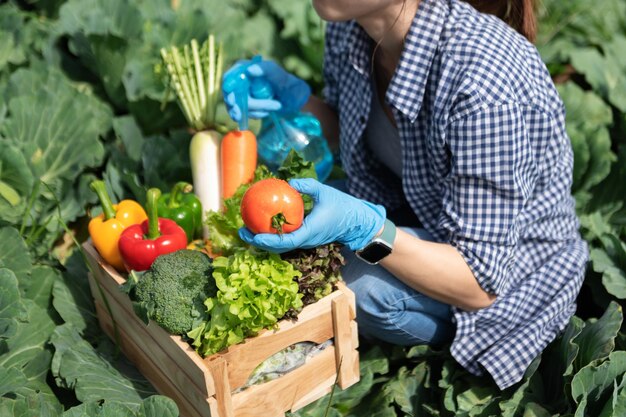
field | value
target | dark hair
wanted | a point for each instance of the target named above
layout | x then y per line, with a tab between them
519	14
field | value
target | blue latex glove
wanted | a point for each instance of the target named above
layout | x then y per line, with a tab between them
290	93
336	217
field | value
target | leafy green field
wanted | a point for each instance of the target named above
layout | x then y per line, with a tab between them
82	98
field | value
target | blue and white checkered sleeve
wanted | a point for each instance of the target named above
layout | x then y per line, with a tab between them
492	176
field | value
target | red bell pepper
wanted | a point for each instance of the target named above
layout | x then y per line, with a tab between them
140	244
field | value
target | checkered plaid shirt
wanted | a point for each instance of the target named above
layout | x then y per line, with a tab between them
487	167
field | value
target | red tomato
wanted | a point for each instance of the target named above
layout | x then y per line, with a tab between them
272	206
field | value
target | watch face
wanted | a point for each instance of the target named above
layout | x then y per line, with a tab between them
374	252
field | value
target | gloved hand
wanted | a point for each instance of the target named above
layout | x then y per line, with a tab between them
290	93
336	217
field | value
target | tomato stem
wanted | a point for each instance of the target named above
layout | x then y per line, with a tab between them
278	220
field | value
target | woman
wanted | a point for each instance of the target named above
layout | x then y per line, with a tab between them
452	114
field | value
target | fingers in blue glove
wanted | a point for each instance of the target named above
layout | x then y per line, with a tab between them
307	186
271	242
265	104
257	108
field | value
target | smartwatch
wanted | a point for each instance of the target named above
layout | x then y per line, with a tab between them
380	246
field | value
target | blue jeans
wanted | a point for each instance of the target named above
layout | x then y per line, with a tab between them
391	311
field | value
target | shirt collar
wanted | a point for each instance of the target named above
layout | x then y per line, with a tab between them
359	47
406	89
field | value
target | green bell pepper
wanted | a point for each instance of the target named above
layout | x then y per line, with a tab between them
184	207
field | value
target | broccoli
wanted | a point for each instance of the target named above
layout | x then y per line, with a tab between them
172	292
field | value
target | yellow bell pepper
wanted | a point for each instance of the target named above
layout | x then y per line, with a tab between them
105	229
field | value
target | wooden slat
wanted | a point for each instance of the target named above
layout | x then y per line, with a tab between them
315	324
132	330
181	354
152	371
348	375
315	394
341	286
275	397
355	334
222	389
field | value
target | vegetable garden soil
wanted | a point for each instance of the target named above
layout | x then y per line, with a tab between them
205	387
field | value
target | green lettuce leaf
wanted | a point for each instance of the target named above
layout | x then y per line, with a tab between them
255	290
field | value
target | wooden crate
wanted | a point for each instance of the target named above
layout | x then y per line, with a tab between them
204	387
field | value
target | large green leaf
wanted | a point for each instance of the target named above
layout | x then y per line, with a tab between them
12	309
605	72
21	36
79	365
166	159
616	405
38	287
27	347
34	393
100	34
407	388
35	405
100	17
96	409
10	380
16	182
610	261
72	298
373	366
588	118
608	196
592	384
535	410
158	406
596	224
14	253
154	406
556	368
523	396
566	26
597	338
302	39
56	127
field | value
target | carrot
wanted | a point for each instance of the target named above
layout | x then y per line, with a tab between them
238	160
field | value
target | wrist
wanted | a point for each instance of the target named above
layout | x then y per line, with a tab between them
369	226
380	246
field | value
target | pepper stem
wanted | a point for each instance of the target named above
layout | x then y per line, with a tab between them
153	214
181	187
99	188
